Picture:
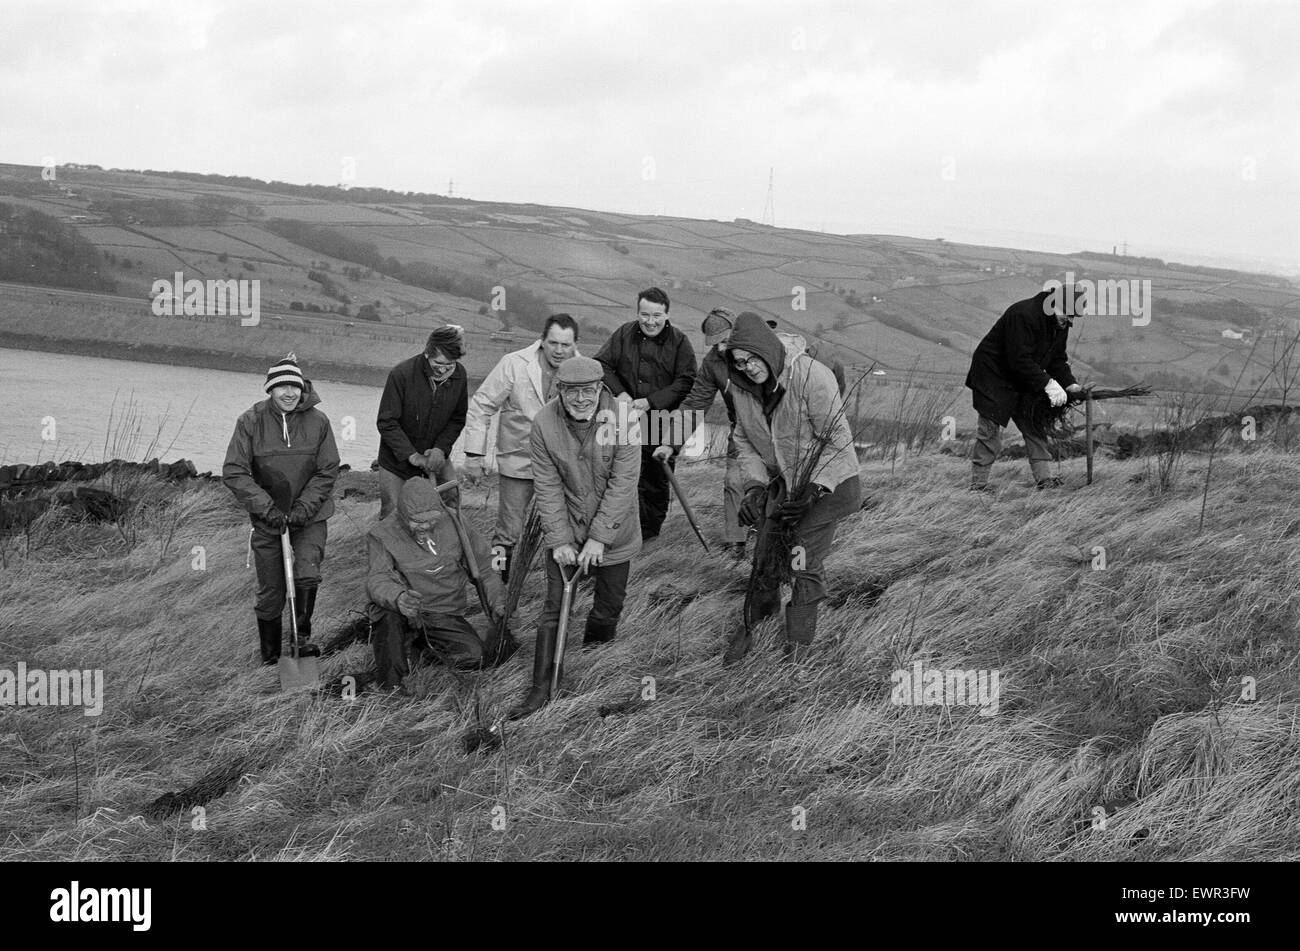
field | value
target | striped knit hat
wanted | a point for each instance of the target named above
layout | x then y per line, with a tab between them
284	372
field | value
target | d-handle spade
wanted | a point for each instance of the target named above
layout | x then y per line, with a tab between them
566	604
302	668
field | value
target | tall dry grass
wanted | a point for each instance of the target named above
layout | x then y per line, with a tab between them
1121	690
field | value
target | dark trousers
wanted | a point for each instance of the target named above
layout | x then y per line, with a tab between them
988	446
653	492
308	545
607	604
815	535
444	638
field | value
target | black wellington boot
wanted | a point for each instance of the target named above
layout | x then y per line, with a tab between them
800	629
539	694
598	632
305	599
760	605
271	633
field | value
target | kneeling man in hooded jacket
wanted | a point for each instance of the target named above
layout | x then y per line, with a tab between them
417	583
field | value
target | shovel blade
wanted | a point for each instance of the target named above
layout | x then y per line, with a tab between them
300	673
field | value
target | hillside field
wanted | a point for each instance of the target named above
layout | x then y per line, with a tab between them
1122	732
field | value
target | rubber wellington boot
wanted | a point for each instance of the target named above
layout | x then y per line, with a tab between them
271	633
305	599
598	632
762	604
800	629
539	694
979	478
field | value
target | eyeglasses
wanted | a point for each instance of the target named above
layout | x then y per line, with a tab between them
438	368
741	362
581	393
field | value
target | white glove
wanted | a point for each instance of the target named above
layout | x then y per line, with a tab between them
1055	393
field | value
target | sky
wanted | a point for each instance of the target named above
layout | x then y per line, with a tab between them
1172	125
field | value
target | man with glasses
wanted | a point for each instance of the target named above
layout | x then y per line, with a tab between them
800	472
514	392
421	413
586	489
650	364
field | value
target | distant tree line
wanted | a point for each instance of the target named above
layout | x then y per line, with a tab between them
204	210
1232	311
36	248
320	192
522	309
1269	280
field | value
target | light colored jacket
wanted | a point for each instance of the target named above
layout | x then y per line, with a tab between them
586	486
812	407
512	393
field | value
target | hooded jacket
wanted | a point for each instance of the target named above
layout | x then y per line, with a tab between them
585	480
416	415
277	460
399	563
1025	349
657	369
513	393
779	420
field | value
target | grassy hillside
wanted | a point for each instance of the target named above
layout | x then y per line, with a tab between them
1120	689
887	301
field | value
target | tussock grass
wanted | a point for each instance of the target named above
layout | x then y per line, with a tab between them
1120	689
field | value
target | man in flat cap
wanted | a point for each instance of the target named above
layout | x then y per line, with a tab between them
713	379
585	484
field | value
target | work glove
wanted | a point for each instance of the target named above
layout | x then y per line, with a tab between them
794	509
418	460
1054	393
276	520
751	507
298	516
408	602
435	460
663	453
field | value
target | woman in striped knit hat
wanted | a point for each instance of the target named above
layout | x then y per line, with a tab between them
281	466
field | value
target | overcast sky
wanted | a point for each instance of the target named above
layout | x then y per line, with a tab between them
1172	124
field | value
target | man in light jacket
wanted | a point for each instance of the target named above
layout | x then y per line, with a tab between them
787	403
516	389
586	486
